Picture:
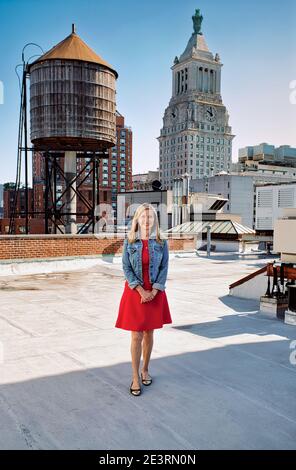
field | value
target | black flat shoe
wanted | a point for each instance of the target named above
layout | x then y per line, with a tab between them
146	381
135	391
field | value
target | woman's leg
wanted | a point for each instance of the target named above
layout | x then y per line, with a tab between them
136	350
147	348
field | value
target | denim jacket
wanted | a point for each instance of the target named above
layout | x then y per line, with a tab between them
158	262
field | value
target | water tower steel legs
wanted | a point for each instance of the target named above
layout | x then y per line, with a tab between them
95	191
70	193
26	149
64	186
46	194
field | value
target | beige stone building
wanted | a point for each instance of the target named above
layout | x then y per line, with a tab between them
196	136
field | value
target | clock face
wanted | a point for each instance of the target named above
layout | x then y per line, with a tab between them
210	113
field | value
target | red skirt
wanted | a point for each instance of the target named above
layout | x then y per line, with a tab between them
136	316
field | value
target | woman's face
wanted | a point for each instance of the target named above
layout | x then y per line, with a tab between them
146	219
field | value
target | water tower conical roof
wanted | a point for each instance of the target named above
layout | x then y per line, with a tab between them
73	48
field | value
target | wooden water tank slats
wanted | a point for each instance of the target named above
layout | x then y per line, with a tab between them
72	101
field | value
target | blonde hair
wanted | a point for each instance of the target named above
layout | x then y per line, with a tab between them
131	236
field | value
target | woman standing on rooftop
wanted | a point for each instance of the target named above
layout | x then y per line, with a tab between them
143	305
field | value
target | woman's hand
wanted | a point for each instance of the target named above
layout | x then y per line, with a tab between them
146	295
154	292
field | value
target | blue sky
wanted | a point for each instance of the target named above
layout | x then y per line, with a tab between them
256	41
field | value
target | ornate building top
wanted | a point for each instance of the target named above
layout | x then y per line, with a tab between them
197	47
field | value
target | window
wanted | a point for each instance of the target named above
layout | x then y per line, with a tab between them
182	81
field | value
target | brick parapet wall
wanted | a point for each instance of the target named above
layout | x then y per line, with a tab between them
13	247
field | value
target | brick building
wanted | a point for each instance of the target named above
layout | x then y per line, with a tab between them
8	200
19	224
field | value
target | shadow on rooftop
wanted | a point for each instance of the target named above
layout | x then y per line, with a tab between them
231	397
228	325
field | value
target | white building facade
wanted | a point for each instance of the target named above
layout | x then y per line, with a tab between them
271	200
196	137
239	190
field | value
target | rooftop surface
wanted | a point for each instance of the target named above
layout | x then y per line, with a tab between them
222	374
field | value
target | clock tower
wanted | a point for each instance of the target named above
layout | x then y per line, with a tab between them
196	137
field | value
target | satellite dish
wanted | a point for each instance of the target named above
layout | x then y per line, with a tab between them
156	185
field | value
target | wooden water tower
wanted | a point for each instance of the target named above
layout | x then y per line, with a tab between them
72	114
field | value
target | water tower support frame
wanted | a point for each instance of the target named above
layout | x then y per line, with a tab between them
56	207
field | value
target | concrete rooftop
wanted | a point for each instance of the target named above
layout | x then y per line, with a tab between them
222	375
